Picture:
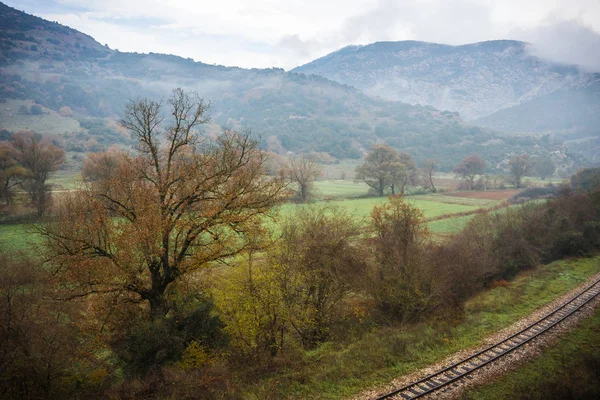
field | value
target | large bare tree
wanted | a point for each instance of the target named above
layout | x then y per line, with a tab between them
303	171
151	218
428	170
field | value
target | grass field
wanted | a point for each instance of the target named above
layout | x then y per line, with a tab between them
64	180
362	207
15	237
50	122
449	225
340	189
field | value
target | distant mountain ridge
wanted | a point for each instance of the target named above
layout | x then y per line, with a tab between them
475	79
58	67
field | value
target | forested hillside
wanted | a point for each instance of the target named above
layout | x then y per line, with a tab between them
58	67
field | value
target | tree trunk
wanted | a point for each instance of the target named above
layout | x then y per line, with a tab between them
158	305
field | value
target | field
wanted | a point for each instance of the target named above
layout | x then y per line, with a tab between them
339	193
48	123
485	195
338	189
361	208
449	225
15	237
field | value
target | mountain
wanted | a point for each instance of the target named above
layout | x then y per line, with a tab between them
73	77
571	113
476	79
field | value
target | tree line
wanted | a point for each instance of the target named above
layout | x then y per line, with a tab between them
387	171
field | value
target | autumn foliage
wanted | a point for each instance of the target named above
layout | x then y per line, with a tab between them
143	221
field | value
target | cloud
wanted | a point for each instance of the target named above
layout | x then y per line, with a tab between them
265	33
570	42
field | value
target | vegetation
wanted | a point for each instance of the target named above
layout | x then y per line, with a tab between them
544	167
429	167
151	219
520	166
163	269
175	270
27	162
298	113
385	168
469	169
569	370
303	171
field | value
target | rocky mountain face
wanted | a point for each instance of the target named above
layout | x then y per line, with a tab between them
67	72
476	80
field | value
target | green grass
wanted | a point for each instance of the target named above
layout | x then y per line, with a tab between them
16	237
340	189
570	369
449	225
363	207
337	370
64	180
50	122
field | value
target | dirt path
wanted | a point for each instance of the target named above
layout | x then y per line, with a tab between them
507	363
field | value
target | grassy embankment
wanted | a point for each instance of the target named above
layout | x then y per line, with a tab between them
339	369
569	370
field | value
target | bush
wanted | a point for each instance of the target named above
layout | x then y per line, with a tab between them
401	280
571	244
36	109
148	345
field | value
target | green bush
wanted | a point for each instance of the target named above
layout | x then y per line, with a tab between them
148	345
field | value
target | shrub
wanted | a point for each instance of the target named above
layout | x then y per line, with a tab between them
401	280
148	345
36	109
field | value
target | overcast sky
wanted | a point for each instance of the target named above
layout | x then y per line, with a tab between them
288	33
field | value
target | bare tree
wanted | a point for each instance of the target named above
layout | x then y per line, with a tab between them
520	166
303	171
429	167
40	158
177	206
470	168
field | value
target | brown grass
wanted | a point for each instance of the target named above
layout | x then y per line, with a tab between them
487	195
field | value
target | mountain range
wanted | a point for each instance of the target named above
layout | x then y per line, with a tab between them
496	84
312	108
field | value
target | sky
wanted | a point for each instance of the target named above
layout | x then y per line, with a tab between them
288	33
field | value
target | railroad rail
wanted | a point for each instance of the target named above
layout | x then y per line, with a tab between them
467	366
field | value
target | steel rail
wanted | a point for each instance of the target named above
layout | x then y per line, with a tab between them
440	379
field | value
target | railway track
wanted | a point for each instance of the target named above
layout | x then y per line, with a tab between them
462	369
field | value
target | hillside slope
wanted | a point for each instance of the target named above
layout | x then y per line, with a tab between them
475	79
59	67
571	114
